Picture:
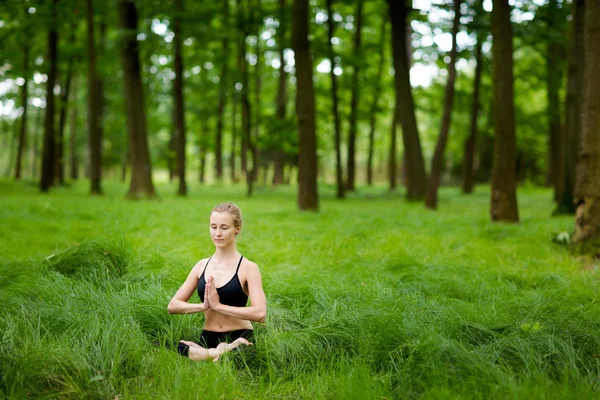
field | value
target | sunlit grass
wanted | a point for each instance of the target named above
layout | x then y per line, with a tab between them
372	297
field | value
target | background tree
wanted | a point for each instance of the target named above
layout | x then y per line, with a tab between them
305	109
569	138
436	164
93	98
587	188
141	177
504	192
49	148
415	167
179	103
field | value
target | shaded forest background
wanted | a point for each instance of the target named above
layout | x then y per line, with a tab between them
297	92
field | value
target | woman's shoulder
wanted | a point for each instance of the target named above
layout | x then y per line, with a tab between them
248	264
201	264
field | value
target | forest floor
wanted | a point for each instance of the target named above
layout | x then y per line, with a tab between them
372	297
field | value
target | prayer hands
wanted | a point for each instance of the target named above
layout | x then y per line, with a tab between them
210	294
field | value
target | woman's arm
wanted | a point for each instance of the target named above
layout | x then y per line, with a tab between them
179	303
257	311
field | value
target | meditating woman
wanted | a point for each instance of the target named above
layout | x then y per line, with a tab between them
224	283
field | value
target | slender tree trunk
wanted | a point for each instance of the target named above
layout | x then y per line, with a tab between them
257	110
392	163
351	160
470	143
73	158
35	140
569	138
339	174
308	198
554	58
504	187
416	178
232	163
431	199
48	152
223	90
24	99
178	99
587	188
94	138
64	106
141	173
375	106
172	154
279	154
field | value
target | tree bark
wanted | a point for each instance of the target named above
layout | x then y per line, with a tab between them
431	199
62	119
554	57
73	158
569	138
24	99
375	106
279	154
339	178
178	99
416	178
35	140
49	146
504	191
587	188
351	160
223	90
392	160
232	163
94	135
141	173
470	144
308	198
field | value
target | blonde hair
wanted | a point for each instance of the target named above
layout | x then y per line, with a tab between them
231	209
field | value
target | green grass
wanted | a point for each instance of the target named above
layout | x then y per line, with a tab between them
373	297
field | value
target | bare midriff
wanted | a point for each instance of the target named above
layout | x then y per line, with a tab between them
217	322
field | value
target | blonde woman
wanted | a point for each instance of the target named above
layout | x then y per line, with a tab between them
224	282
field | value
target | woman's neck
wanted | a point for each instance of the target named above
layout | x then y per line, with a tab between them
227	254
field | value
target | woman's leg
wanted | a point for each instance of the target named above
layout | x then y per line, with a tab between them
199	353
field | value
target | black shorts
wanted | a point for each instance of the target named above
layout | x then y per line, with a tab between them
210	339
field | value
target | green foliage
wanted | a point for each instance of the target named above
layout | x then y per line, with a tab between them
371	298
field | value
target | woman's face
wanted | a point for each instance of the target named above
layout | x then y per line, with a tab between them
222	229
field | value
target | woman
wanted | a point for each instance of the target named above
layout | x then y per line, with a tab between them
224	283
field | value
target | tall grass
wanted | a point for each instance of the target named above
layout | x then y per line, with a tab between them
371	298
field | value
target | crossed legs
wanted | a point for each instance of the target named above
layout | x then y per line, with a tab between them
199	353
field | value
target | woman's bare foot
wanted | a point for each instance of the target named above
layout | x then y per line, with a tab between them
223	348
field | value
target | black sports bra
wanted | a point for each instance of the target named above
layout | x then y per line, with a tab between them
231	294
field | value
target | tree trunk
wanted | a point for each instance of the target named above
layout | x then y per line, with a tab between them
308	198
141	174
392	163
246	110
35	140
232	163
431	199
281	101
416	178
255	139
587	188
569	138
339	174
504	191
470	144
73	159
351	161
178	99
49	147
23	126
375	106
59	177
94	135
554	58
223	90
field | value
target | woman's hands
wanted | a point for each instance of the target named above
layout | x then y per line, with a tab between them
211	297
